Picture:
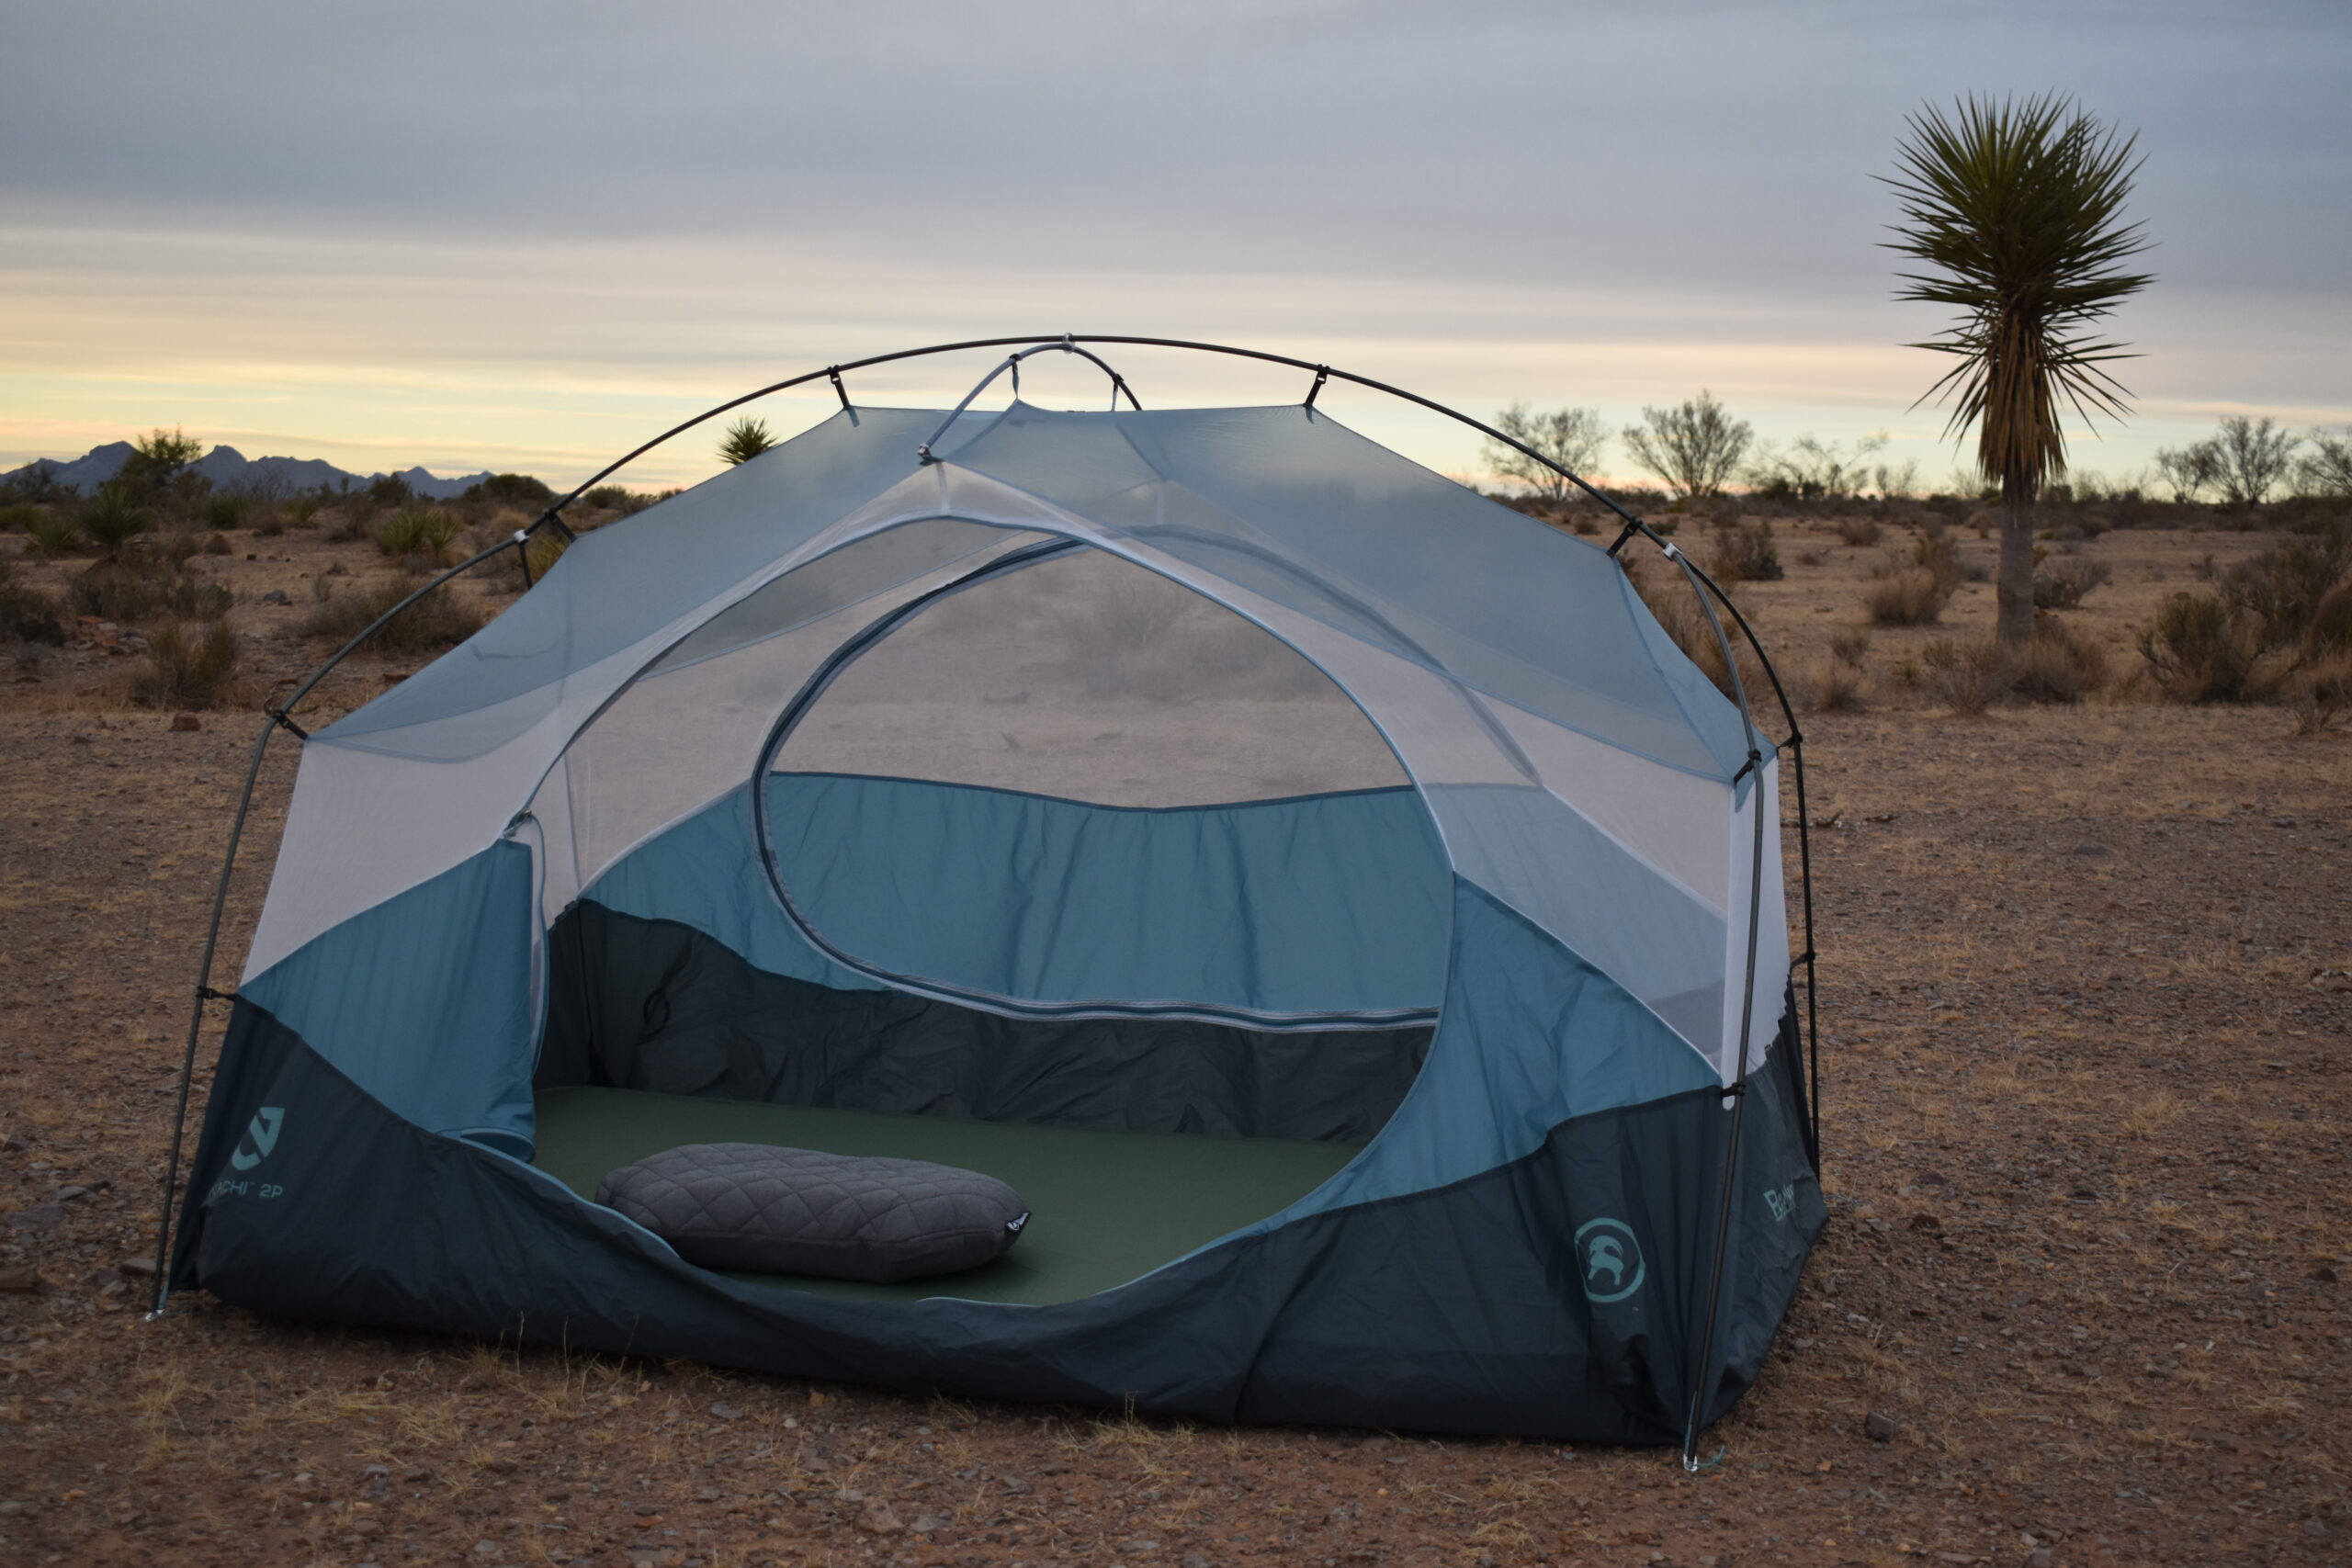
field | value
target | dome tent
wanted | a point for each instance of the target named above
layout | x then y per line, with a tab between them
1328	896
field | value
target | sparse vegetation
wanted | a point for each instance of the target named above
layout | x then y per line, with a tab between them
2062	582
421	534
188	667
1907	597
441	619
114	518
745	439
53	533
26	615
1745	551
1574	439
1859	530
1694	448
2268	624
136	590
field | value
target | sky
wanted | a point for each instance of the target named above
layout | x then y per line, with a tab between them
527	236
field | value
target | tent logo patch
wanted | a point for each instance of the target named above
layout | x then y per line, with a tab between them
262	1132
1611	1260
1782	1200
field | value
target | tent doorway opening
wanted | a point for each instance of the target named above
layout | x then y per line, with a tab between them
987	846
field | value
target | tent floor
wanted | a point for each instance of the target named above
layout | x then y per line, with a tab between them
1105	1207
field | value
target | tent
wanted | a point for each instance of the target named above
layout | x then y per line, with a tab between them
1327	895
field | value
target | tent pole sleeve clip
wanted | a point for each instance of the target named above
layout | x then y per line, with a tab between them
834	374
278	716
206	993
1322	374
1625	534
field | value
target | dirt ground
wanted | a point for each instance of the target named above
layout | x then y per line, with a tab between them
2085	989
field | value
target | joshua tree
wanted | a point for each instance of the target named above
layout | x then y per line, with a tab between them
1695	448
745	439
1571	438
2015	210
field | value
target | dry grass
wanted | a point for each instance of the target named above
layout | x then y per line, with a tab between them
1910	598
441	619
189	669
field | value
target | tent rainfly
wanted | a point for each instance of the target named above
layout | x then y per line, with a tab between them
1328	896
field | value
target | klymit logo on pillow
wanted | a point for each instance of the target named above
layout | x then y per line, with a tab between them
1015	1223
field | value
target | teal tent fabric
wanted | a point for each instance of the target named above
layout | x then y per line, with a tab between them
424	1001
1328	904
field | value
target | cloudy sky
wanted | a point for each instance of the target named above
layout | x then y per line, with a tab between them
527	235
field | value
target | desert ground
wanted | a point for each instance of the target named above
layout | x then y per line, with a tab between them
2086	988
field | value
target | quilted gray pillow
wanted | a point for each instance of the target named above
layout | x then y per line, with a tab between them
765	1210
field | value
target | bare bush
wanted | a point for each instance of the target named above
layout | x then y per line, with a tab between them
1835	687
1908	598
26	615
189	669
2202	650
2056	665
1849	645
440	619
1745	551
1967	677
2062	584
1859	530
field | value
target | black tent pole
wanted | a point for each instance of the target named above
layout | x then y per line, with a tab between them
279	716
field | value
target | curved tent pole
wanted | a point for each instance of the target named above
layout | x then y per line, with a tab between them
274	718
552	517
1012	363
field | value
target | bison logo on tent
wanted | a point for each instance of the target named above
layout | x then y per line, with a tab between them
1611	1260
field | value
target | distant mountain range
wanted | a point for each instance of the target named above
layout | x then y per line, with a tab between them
229	469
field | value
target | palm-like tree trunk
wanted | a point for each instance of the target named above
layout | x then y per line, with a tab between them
2013	584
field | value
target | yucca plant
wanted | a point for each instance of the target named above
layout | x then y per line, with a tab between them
114	518
2015	212
745	439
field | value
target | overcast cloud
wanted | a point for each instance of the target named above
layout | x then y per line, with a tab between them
526	233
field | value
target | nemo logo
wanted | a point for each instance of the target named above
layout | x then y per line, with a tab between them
262	1132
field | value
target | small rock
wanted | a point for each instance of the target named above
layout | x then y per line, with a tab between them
2083	1195
186	723
2092	848
1878	1426
727	1411
926	1523
276	596
645	1511
1927	1222
2282	821
72	1192
367	1471
21	1282
878	1520
2041	1557
2323	1274
137	1268
2312	1527
39	1218
503	1465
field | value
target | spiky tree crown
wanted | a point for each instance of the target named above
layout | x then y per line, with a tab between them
2015	209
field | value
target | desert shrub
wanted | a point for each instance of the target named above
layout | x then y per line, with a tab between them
216	545
2063	582
114	518
177	546
2284	586
1858	530
1835	687
2202	650
17	514
1967	678
53	534
227	510
421	534
1911	598
1685	620
2319	696
26	615
1937	553
188	668
302	511
511	489
268	522
135	590
2057	665
1745	551
441	619
1849	645
2330	632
